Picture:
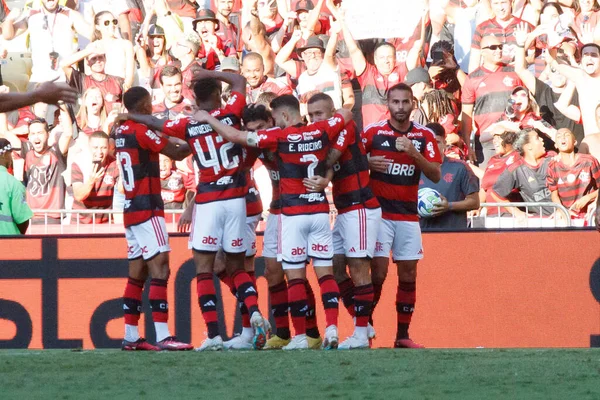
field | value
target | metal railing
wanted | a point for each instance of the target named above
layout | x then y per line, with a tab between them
504	220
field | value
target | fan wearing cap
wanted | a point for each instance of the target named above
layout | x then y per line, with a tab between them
152	55
459	189
522	112
253	69
14	211
94	55
585	77
484	96
206	25
321	73
375	79
173	103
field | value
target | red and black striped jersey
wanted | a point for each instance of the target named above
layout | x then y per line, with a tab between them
269	160
220	163
397	188
495	168
137	156
574	181
172	190
351	190
301	153
491	27
101	195
374	91
489	92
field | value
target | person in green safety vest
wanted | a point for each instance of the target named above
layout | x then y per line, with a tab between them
14	211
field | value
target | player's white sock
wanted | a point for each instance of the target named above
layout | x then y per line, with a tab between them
360	332
162	330
247	333
132	333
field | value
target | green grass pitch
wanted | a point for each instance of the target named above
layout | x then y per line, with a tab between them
314	375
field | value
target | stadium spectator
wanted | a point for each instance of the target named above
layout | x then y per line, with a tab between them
529	176
376	79
213	49
591	142
172	183
185	50
119	52
118	8
484	97
549	96
458	188
94	178
14	211
172	16
253	69
585	77
110	86
44	167
93	115
573	179
51	31
502	26
174	104
228	30
505	156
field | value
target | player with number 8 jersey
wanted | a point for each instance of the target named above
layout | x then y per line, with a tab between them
145	230
219	212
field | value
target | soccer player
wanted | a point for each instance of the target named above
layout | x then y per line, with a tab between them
356	225
257	117
219	219
409	149
305	233
145	229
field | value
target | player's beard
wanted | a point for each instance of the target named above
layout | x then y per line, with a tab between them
401	118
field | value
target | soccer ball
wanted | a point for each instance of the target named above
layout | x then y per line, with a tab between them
427	199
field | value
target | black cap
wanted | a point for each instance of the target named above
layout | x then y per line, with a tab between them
313	42
205	14
5	146
156	30
304	5
417	75
516	89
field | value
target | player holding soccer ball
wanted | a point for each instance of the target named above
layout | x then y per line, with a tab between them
400	150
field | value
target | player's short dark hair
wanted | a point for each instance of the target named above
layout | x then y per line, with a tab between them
99	134
133	97
169	71
437	129
401	86
321	97
38	120
205	88
265	99
286	101
256	112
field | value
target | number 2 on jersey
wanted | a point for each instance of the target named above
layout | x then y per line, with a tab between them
214	159
125	166
313	160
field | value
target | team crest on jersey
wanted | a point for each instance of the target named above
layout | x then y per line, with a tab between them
109	180
449	177
174	183
508	81
584	176
294	137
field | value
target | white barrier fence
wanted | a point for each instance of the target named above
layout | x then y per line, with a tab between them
502	219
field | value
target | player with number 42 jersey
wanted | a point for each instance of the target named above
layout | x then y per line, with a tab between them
301	152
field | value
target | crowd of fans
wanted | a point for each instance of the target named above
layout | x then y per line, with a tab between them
511	89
